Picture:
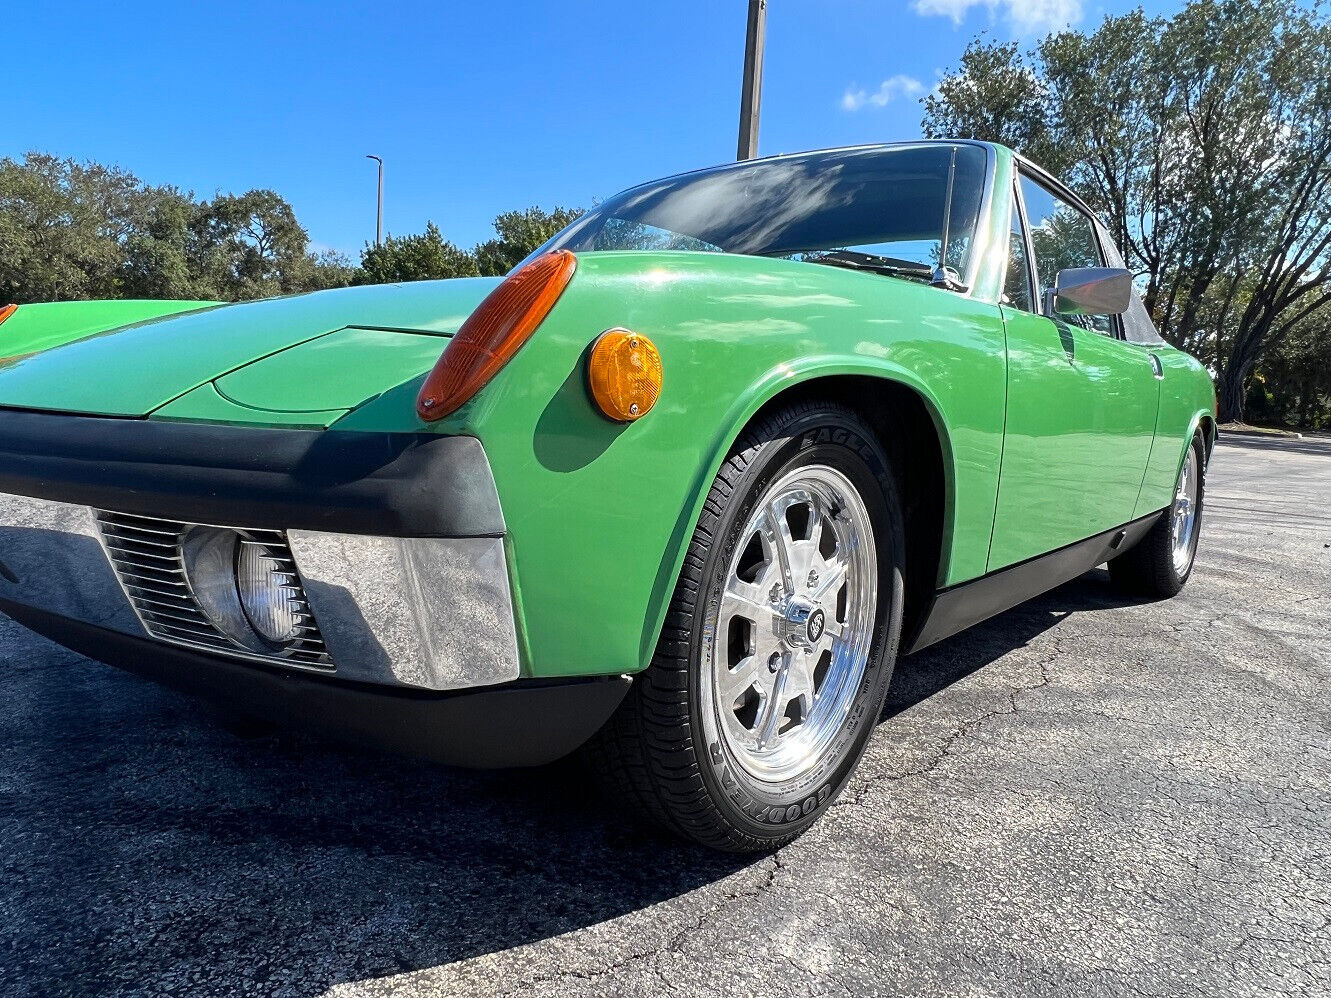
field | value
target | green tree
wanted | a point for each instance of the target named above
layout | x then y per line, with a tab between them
424	257
71	230
63	225
520	233
332	269
160	256
1203	140
997	95
251	246
1293	380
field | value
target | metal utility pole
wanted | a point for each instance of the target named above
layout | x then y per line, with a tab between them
379	214
751	97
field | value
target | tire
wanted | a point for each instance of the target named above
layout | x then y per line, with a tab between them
745	773
1159	564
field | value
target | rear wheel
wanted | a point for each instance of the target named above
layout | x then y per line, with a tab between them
779	642
1161	562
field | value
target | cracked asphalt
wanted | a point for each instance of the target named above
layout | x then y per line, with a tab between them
1080	797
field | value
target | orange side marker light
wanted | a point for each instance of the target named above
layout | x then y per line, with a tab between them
625	375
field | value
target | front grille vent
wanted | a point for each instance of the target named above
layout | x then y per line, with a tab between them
147	554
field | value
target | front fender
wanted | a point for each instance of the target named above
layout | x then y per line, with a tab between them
777	381
600	513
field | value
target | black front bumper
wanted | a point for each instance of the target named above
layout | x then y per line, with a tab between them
524	723
388	484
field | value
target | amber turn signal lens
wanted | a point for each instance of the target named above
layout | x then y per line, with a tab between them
493	333
624	371
6	311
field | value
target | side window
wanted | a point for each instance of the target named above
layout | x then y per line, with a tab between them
1017	284
1063	237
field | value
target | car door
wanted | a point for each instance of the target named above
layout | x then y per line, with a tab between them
1081	400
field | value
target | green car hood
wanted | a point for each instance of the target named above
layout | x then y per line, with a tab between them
137	369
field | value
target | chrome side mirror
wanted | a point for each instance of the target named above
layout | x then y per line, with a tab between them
1092	291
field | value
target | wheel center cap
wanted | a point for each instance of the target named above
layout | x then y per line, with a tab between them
806	623
815	626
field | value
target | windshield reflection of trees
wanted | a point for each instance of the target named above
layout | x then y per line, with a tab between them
886	203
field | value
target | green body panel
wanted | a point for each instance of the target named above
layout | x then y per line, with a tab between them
34	328
135	370
1081	408
600	514
206	405
1187	397
338	371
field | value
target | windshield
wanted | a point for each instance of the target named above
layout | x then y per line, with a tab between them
877	209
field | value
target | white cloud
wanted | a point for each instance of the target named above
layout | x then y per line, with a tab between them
1026	16
888	91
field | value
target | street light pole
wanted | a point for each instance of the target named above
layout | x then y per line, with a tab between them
752	94
379	214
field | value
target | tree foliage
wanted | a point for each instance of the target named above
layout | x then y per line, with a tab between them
520	233
72	230
423	257
1293	383
428	256
1205	141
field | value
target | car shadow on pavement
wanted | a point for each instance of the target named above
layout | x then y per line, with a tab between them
927	672
143	849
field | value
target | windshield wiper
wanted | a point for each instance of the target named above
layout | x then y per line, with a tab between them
891	266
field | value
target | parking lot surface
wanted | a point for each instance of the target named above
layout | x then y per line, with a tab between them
1083	796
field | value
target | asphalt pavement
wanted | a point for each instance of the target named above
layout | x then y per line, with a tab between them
1084	796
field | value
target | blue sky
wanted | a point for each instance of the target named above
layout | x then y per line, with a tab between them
475	107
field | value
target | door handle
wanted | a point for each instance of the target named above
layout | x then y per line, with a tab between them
1157	367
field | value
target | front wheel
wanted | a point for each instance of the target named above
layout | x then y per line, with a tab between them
780	639
1160	563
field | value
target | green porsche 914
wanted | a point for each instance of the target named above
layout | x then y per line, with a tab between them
680	487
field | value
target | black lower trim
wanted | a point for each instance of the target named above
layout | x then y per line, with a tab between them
525	723
961	606
393	484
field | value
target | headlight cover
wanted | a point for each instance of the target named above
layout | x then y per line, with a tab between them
249	591
268	588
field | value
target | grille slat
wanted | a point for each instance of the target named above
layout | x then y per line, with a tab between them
152	540
173	614
155	580
132	552
200	639
195	632
183	602
152	587
139	532
146	554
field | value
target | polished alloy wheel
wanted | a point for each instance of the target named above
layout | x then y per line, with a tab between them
1183	514
794	623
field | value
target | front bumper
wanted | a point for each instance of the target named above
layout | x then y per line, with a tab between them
397	538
